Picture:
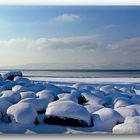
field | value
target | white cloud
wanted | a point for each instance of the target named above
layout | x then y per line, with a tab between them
67	17
90	41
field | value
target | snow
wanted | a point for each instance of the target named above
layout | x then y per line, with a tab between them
100	103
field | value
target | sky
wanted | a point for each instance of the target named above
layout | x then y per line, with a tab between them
91	37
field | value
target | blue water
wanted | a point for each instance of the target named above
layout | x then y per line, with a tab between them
80	73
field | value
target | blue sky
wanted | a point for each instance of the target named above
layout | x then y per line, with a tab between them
87	36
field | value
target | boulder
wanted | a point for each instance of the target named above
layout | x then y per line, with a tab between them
22	113
67	113
11	75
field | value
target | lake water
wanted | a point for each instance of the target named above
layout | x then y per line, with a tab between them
80	73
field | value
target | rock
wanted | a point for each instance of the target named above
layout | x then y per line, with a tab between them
136	99
93	108
122	102
22	80
132	120
11	96
19	88
22	113
38	103
94	99
135	106
46	94
69	97
105	119
67	113
126	112
4	105
11	75
127	128
27	94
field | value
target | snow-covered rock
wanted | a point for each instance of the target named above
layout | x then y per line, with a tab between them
22	113
46	94
19	88
105	119
135	106
22	80
67	113
126	112
122	102
127	128
36	87
83	86
68	97
4	105
66	89
11	75
94	99
92	108
27	94
38	103
11	96
136	99
132	120
55	89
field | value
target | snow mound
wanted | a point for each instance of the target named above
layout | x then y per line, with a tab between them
122	102
22	80
70	97
38	103
4	105
22	113
127	128
11	75
92	108
46	94
134	119
66	112
136	99
11	96
135	106
27	94
19	88
93	99
105	119
126	112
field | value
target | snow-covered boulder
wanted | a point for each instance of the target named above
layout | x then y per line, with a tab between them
11	75
67	113
55	89
68	97
19	88
92	108
27	94
126	112
22	80
46	94
122	102
94	99
136	99
106	88
4	105
66	89
22	113
36	87
105	119
11	96
38	103
127	128
98	92
83	86
132	120
135	106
